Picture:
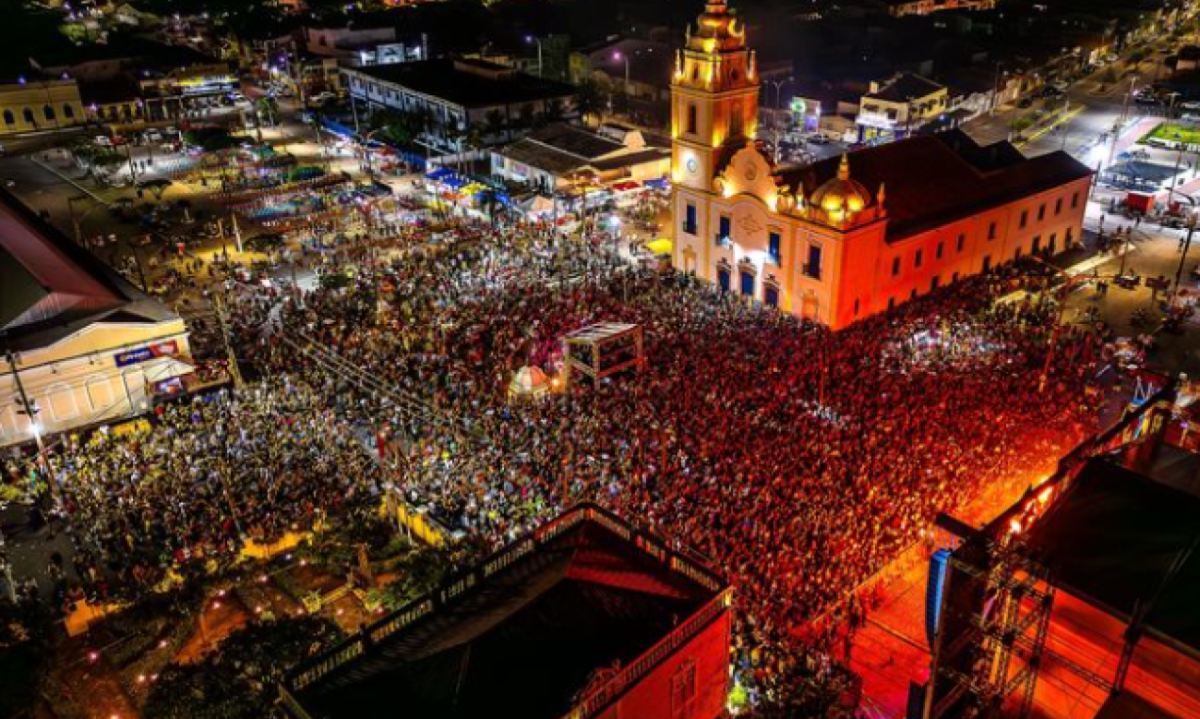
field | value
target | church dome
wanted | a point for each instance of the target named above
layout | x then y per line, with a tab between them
841	194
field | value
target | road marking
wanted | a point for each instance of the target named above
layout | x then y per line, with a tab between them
1059	121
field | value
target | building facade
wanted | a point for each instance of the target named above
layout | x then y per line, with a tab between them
845	238
86	347
559	155
900	106
42	105
457	96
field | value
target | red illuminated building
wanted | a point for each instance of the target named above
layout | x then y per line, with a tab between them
587	617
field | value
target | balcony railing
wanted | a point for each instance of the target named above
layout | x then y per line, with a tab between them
599	698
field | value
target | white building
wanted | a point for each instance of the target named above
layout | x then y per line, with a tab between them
560	154
459	96
87	346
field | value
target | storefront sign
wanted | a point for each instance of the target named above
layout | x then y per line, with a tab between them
143	354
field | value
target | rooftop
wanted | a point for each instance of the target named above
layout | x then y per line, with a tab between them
935	179
50	287
905	87
469	83
1121	538
526	633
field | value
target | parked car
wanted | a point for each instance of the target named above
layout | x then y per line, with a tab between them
103	140
1190	105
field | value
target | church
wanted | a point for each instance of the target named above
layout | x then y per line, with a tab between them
848	237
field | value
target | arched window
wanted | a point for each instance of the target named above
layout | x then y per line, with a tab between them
9	118
28	115
48	112
68	112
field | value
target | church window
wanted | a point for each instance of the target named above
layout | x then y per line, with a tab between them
691	118
813	267
735	118
724	229
689	221
773	246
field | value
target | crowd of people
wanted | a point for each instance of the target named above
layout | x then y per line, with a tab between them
187	491
795	460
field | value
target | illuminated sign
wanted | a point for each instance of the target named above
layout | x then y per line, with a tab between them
143	354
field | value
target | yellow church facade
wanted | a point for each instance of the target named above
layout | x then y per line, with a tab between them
848	237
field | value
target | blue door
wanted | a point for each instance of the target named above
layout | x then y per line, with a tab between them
772	297
748	284
723	280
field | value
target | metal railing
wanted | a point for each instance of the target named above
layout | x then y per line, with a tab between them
324	664
600	697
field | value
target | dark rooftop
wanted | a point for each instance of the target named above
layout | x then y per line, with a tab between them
1115	535
904	87
473	83
142	51
935	179
522	634
51	288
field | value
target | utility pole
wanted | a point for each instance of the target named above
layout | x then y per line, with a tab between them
219	302
1187	244
31	410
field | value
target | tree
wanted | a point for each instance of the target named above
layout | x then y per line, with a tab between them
496	126
268	110
553	113
236	680
587	97
420	573
210	139
156	187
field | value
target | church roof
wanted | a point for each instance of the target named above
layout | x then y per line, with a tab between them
50	287
935	179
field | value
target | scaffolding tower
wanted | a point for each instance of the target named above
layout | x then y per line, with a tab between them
992	628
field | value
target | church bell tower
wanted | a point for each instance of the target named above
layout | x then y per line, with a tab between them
714	96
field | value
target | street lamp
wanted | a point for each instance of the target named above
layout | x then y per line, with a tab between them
619	56
535	39
778	85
